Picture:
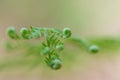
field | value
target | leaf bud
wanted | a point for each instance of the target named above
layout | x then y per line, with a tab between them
12	33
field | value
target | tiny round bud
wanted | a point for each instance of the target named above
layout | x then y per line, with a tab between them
12	33
66	33
56	64
25	33
94	49
60	47
46	50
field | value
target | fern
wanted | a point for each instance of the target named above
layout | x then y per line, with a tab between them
52	44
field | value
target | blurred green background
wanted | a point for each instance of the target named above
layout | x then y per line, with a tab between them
83	16
87	18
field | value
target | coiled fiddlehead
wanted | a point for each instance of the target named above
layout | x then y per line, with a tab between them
83	42
52	43
50	46
12	33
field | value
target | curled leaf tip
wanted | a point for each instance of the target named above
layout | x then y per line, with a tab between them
93	48
56	64
45	51
66	32
25	33
11	31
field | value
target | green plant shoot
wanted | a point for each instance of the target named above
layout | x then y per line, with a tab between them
52	42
